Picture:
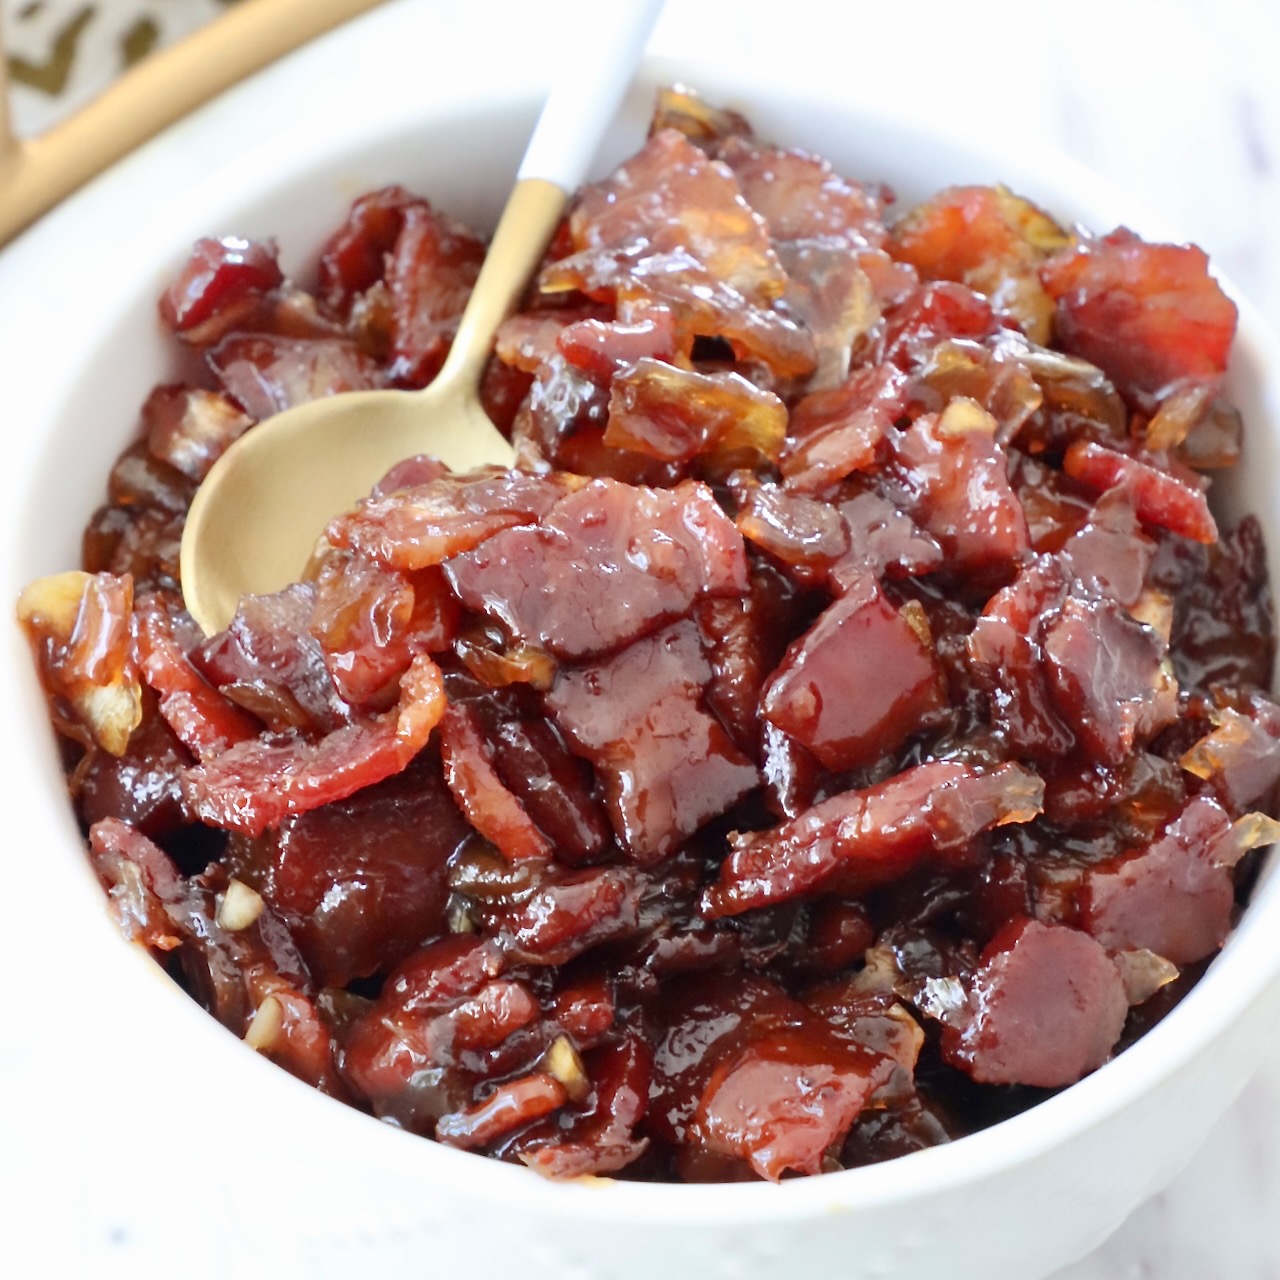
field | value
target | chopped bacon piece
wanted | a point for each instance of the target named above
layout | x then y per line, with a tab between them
361	881
217	277
430	275
787	1098
572	912
354	258
883	541
416	1052
1147	314
604	348
857	684
801	197
190	428
142	787
484	798
676	414
1006	653
258	783
672	226
743	1071
837	432
1109	677
989	239
509	1106
268	662
955	485
204	720
1173	897
798	530
667	765
930	314
556	789
607	564
266	374
1045	1007
669	197
860	838
1161	498
422	525
1109	553
601	1139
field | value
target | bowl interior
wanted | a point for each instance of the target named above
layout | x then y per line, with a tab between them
79	406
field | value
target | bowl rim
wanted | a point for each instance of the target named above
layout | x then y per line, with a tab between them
1250	961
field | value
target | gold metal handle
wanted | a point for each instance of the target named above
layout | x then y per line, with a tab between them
36	174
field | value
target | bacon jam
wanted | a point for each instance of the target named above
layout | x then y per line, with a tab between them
847	726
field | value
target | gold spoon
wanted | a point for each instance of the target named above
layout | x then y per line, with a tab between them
257	516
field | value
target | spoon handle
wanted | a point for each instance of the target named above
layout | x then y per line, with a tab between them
580	107
585	98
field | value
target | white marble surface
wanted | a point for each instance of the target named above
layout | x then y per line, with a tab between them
1178	103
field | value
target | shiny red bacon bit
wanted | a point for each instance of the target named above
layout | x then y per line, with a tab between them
1046	1007
430	273
217	278
361	618
837	432
420	525
989	239
844	713
1172	897
858	684
930	314
599	1140
190	428
417	1052
786	1100
801	197
268	662
142	786
258	783
355	257
883	541
675	414
603	348
361	881
1162	498
955	486
672	227
862	838
511	1105
573	912
1148	314
265	374
206	722
792	527
556	789
1109	678
1006	653
667	765
669	198
480	792
658	551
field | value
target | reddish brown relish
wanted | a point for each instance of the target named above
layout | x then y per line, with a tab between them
847	726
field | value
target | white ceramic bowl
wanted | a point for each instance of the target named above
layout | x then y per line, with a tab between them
139	1132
